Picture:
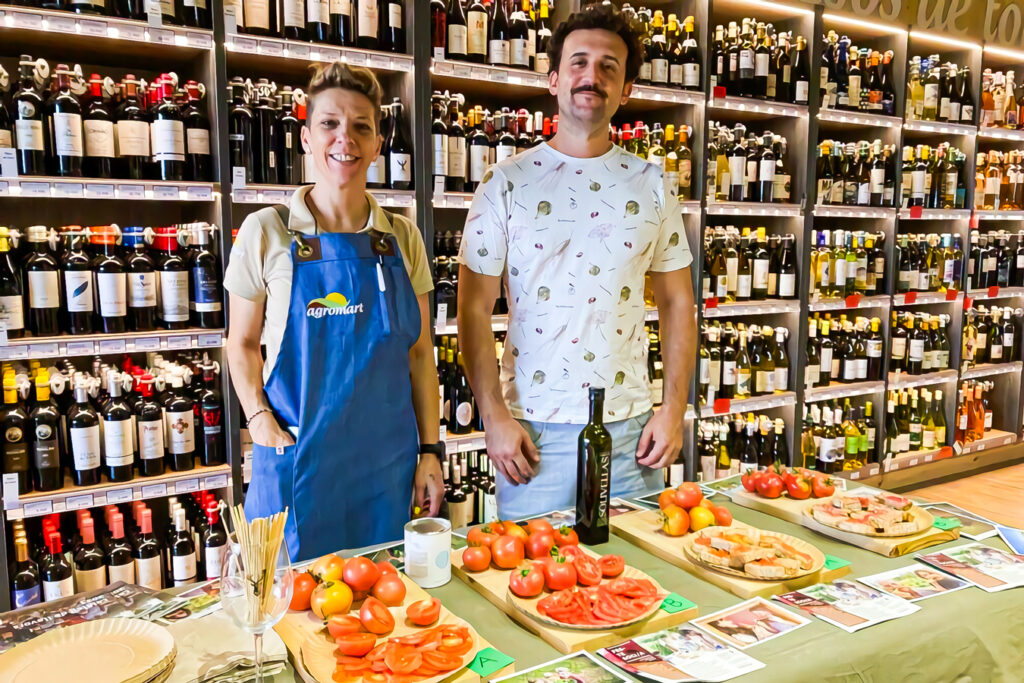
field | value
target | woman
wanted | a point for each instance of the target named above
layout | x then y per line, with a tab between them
337	290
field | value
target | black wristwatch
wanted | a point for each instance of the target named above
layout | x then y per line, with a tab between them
437	449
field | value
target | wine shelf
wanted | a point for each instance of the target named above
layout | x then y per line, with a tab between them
280	194
102	188
837	118
70	346
940	127
1000	215
991	369
995	293
463	200
86	32
459	443
72	497
1001	134
902	380
744	308
915	458
841	211
840	390
844	303
753	209
935	214
992	439
499	323
749	108
917	298
726	406
302	53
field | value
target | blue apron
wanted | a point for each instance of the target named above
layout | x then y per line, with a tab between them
342	378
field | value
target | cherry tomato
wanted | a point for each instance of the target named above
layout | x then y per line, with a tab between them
527	581
386	567
688	494
588	572
722	516
519	532
508	552
566	536
798	488
666	498
770	486
424	612
403	659
360	574
539	544
611	565
355	644
376	617
476	559
389	589
560	575
330	597
482	535
341	624
302	590
539	525
823	487
674	520
327	568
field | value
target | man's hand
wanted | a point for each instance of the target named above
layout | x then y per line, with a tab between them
662	439
511	449
265	431
428	487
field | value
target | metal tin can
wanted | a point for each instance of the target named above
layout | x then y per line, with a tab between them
428	551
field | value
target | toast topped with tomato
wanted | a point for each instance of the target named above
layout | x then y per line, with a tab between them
880	514
760	556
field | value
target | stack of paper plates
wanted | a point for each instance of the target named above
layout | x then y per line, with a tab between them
103	651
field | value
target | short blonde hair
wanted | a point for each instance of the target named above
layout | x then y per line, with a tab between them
340	75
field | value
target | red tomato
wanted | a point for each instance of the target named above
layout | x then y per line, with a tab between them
355	644
666	498
588	572
302	589
750	479
566	536
482	535
424	612
788	476
611	565
539	525
528	581
823	487
386	567
798	488
442	661
403	659
539	544
569	552
770	486
688	494
508	552
376	617
360	574
389	589
560	575
476	559
519	532
722	516
341	624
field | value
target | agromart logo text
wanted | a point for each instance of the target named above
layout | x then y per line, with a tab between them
332	304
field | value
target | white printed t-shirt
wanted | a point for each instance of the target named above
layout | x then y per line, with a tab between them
573	239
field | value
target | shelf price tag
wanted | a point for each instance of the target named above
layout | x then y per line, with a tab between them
297	51
199	193
129	32
147	344
93	28
38	507
238	177
35	189
462	71
8	163
161	36
112	346
95	191
78	502
10	489
86	348
951	294
68	189
43	350
206	341
166	192
179	342
218	481
119	496
441	318
355	57
380	62
722	406
271	48
154	490
23	20
186	486
276	196
909	298
131	192
244	45
200	40
61	24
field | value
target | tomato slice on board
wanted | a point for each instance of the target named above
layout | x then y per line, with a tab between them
611	565
403	659
355	644
588	572
444	661
424	612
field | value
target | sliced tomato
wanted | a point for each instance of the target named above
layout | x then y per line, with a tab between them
454	645
375	678
355	644
403	659
424	612
588	573
611	565
443	661
341	676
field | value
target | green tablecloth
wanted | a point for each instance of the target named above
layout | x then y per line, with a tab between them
968	635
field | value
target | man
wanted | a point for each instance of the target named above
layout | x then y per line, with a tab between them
572	226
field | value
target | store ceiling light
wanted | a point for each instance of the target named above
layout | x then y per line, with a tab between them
1004	52
875	26
779	7
940	38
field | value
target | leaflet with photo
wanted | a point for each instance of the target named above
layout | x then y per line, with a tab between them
681	653
972	526
751	622
1012	537
988	568
579	667
848	604
915	582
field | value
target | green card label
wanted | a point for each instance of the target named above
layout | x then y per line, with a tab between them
489	660
832	562
676	603
946	523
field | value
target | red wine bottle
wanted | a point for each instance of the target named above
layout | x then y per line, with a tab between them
167	135
181	428
341	22
207	307
28	108
132	128
197	136
212	414
65	128
111	281
147	554
182	551
24	576
79	283
196	13
120	564
90	567
149	421
142	309
240	130
44	425
58	579
12	302
85	439
119	451
41	270
289	144
98	127
174	275
215	541
14	423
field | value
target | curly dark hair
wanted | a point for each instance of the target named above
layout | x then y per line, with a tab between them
606	18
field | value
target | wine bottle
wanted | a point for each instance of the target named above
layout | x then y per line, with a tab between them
180	428
147	554
318	21
211	412
173	279
58	579
142	286
12	312
149	421
132	130
182	551
111	281
289	145
120	564
593	474
460	507
98	127
14	422
399	151
44	425
119	452
340	12
167	135
84	426
498	45
207	307
240	130
79	282
392	33
519	40
215	542
44	297
25	588
197	136
195	14
476	32
90	568
367	24
541	60
28	108
292	19
65	128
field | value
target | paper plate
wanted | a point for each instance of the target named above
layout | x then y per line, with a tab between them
690	548
923	519
101	651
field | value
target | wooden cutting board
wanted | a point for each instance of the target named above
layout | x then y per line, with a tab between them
793	511
642	528
493	585
297	627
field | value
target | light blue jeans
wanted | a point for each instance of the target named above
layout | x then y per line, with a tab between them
553	487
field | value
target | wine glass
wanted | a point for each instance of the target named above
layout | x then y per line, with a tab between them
239	589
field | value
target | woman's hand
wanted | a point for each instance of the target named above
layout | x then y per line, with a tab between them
428	487
265	431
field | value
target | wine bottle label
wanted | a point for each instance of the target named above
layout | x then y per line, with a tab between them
67	134
659	71
931	96
366	21
198	141
457	156
122	572
12	313
743	285
503	152
760	273
675	74
25	597
85	447
198	4
916	350
318	12
149	571
151	439
746	60
15	454
464	414
183	568
142	290
787	285
456	39
520	52
207	290
133	138
6	139
257	14
478	158
691	75
812	375
401	167
728	373
292	13
341	7
761	64
801	92
440	141
90	579
55	590
168	140
541	63
99	138
477	32
167	8
117	439
112	289
45	449
394	15
498	52
174	295
213	559
181	430
43	289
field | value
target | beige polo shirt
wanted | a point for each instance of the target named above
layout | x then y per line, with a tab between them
260	268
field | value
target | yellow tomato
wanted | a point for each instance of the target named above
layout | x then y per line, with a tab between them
327	568
331	597
516	530
701	517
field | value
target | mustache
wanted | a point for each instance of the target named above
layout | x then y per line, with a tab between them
589	88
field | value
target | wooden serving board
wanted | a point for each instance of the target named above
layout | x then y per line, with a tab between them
643	528
890	546
493	585
298	628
